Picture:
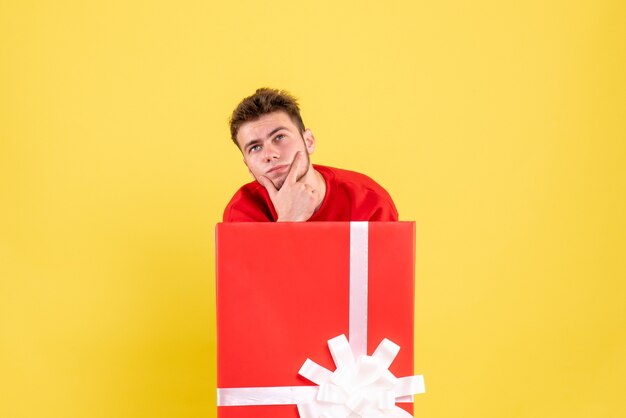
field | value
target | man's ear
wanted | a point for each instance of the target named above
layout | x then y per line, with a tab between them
309	141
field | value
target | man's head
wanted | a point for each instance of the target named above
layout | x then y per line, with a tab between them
262	102
268	130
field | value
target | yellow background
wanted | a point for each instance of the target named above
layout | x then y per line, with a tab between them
498	126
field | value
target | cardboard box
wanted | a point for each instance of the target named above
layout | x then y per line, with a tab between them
284	290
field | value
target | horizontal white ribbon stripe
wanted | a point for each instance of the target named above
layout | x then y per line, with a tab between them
276	395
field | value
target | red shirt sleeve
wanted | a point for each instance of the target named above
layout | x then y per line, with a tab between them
250	204
380	209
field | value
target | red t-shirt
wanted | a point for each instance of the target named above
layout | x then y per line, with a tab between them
350	196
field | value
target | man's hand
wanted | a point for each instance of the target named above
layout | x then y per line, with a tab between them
295	201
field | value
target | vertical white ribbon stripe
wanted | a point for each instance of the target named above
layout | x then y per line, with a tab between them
358	287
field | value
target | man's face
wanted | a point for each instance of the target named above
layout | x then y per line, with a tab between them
269	145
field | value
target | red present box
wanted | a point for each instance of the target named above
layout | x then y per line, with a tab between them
285	289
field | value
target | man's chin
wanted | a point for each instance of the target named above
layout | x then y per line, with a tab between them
278	183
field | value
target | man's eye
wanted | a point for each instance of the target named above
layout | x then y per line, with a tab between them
279	137
254	148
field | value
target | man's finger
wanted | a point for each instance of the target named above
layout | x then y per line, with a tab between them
292	176
269	186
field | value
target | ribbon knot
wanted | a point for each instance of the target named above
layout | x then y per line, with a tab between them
362	387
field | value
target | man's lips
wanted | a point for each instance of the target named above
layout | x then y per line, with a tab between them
277	169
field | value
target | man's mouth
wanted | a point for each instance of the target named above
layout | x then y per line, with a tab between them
278	168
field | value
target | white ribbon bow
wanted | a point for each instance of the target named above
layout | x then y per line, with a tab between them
358	388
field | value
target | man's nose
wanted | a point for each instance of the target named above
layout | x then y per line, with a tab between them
271	152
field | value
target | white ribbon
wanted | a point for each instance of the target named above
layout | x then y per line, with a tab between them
275	395
362	388
359	255
361	385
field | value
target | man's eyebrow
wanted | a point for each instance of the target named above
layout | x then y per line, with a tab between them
251	142
257	140
276	130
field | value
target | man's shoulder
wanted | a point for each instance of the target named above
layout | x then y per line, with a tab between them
248	192
353	196
249	189
352	178
249	203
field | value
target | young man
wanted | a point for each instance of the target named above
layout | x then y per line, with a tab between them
270	134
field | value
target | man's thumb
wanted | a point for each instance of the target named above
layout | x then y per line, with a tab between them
267	183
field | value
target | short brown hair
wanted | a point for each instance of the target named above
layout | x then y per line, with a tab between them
262	102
